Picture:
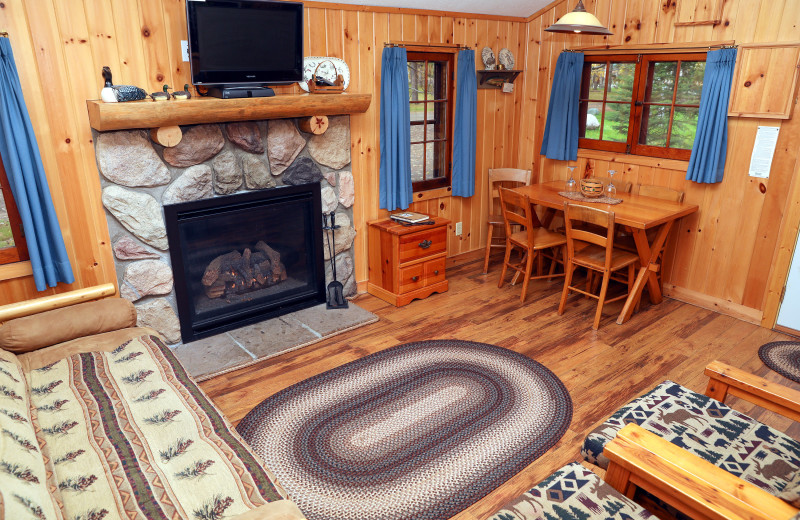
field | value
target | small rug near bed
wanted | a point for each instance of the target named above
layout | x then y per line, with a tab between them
783	357
418	431
238	348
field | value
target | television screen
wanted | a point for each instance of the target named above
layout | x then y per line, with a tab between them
245	42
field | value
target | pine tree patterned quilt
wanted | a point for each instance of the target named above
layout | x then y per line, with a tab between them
724	437
127	434
572	493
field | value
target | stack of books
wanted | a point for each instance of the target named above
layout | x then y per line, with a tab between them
409	217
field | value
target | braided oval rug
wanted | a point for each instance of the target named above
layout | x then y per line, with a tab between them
783	357
418	431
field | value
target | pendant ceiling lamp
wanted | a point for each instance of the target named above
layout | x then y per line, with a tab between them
579	21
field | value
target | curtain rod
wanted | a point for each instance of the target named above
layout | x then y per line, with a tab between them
423	44
609	48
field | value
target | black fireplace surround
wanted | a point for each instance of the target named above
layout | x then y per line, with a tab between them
244	258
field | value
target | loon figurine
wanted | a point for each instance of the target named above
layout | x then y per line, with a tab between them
161	96
113	93
182	94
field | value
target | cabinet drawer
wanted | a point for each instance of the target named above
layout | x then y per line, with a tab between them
422	244
411	278
434	271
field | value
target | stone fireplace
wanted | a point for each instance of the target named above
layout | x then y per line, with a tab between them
139	177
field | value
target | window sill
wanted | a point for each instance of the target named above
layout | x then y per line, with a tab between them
641	160
435	193
16	270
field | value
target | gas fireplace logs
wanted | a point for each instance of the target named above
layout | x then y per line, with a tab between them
238	273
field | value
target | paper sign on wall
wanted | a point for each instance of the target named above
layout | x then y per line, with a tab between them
763	150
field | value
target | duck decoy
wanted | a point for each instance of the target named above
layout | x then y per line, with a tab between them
182	94
161	96
112	93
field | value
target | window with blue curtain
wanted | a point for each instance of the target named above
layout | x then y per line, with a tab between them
27	180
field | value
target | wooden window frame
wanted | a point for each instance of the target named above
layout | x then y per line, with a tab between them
642	77
449	100
19	252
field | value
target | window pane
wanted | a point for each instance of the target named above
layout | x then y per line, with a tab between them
663	85
620	87
440	118
438	80
597	80
417	156
417	131
593	116
684	127
436	160
655	124
6	238
416	81
616	122
690	82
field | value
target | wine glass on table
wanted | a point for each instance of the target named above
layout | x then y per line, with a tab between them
571	185
611	190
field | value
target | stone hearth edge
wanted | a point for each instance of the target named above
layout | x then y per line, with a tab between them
138	177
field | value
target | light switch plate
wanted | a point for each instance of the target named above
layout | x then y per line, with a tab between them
458	229
508	87
185	50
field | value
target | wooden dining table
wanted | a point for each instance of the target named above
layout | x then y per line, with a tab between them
639	213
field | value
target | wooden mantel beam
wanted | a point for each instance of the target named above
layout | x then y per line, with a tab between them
147	114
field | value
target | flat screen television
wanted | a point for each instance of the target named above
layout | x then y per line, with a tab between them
245	43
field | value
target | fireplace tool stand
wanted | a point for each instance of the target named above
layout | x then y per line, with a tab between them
335	293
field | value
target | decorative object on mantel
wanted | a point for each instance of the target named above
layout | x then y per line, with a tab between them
506	59
579	21
487	56
112	93
324	68
319	84
591	187
182	94
602	199
161	96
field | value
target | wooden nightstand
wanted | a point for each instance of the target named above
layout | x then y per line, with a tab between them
407	262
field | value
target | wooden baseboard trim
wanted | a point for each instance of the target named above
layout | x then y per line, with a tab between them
787	330
466	258
719	305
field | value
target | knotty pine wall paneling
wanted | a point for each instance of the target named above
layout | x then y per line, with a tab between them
719	257
60	48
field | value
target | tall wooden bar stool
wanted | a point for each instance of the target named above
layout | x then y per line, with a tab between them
510	178
536	242
593	249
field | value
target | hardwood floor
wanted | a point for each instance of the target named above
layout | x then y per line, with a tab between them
601	369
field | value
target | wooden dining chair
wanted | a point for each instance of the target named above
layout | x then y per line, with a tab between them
534	242
510	178
596	252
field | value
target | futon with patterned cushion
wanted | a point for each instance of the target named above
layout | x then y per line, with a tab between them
120	431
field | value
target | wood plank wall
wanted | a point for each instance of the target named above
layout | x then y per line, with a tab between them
722	254
60	48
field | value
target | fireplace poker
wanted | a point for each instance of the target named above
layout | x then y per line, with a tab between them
336	298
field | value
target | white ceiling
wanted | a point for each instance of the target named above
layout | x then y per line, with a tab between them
522	8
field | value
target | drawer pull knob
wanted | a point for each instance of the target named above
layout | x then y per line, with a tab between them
425	244
414	278
436	272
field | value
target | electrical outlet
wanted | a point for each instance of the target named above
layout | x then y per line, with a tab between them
458	229
185	50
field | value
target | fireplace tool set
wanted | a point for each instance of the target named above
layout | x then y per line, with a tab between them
335	293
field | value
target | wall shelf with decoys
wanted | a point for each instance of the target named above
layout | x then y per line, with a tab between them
496	78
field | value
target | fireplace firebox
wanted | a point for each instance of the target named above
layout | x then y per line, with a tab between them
245	258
